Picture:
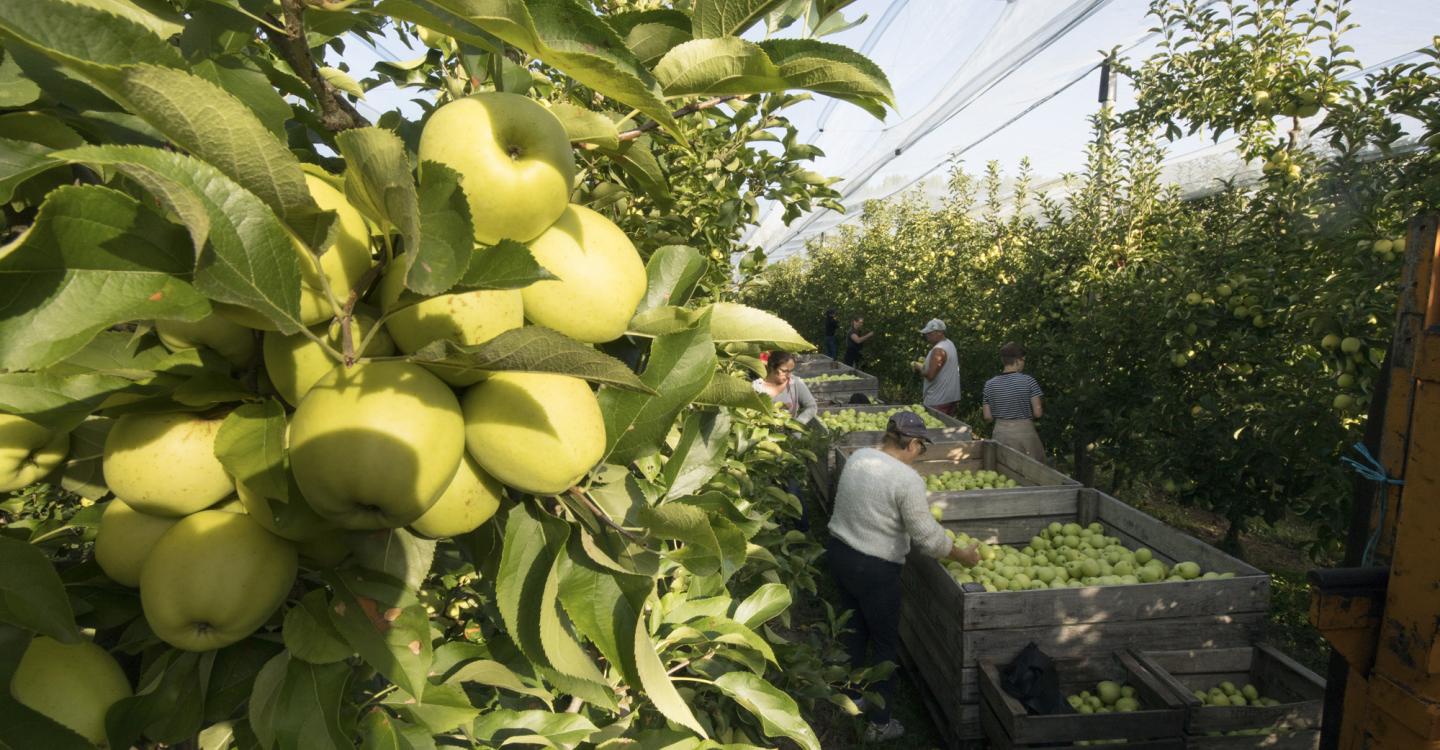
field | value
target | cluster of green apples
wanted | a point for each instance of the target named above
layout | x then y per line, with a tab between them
984	479
1226	694
1385	248
831	379
380	444
1068	556
850	420
1109	697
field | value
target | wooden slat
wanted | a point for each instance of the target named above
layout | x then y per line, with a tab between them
1172	542
1092	604
1027	470
1262	666
1274	669
974	505
1162	717
1303	740
999	741
1075	640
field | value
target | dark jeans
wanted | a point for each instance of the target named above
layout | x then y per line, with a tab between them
869	587
831	345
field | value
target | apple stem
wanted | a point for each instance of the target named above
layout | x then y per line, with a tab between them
347	314
688	109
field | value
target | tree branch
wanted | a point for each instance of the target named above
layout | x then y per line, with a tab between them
688	109
336	112
347	313
604	517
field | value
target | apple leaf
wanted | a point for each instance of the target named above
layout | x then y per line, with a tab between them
764	604
736	642
717	66
699	452
15	89
494	674
310	635
397	553
57	401
532	349
638	161
507	265
86	33
718	18
735	323
556	730
169	709
443	708
251	446
586	125
833	70
728	390
720	505
671	275
19	161
778	713
379	182
232	674
82	473
657	683
22	727
245	257
94	257
652	33
684	523
603	604
381	731
679	367
393	640
243	80
447	237
568	36
301	705
31	593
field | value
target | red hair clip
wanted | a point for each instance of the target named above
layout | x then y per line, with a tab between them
765	357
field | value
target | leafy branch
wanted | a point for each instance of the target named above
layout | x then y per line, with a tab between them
336	112
688	109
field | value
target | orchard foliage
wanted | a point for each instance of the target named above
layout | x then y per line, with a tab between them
185	161
1222	347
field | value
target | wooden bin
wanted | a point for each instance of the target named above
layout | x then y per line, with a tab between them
945	631
1158	725
838	392
825	471
1301	694
1034	477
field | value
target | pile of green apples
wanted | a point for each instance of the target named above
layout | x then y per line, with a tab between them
968	480
1226	694
1109	697
831	379
850	420
1067	556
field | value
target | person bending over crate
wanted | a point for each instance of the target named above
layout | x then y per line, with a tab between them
1012	402
881	510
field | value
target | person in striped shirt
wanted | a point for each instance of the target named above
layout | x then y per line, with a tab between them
1012	402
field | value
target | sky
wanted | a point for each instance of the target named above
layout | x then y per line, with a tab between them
975	81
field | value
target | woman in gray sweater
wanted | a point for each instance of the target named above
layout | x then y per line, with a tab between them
881	512
784	387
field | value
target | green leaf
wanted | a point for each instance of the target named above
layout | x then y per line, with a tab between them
379	182
699	453
393	640
671	275
720	504
447	237
309	633
778	713
31	593
497	675
302	706
725	65
832	69
652	33
741	644
679	367
728	390
39	127
397	553
657	684
15	89
246	82
251	446
245	256
57	401
84	33
716	18
508	265
162	26
342	81
532	349
604	605
23	727
93	258
702	553
570	37
638	161
734	323
83	471
381	731
766	602
233	674
554	730
443	708
168	705
19	161
587	126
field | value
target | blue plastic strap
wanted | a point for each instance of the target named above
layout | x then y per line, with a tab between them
1370	468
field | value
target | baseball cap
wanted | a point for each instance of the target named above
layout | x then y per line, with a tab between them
934	325
907	424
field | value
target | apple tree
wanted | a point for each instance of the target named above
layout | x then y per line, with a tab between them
405	433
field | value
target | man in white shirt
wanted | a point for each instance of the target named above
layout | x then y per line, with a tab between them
941	370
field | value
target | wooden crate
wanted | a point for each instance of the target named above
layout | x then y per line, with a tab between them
1300	691
947	630
1161	718
825	471
838	392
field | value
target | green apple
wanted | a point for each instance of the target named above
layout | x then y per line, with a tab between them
343	263
536	432
230	340
514	160
1343	401
467	318
1108	691
374	445
124	541
601	278
1187	570
213	579
295	362
1350	345
164	464
28	452
471	499
294	520
937	512
72	683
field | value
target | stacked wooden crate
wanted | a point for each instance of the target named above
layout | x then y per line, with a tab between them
837	391
828	444
945	631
